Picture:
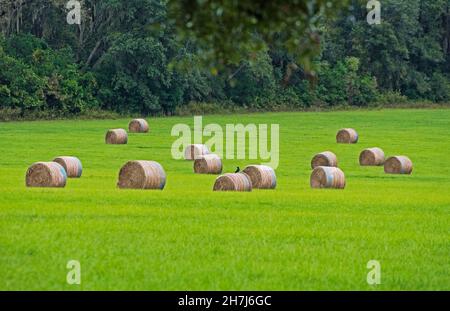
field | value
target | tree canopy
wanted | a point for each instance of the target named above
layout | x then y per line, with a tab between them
228	30
165	57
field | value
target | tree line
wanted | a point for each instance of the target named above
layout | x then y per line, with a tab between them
155	57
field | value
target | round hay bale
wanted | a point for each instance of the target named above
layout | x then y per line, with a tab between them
233	182
138	126
142	175
327	177
347	136
326	158
208	164
371	157
398	165
46	174
261	176
116	137
193	152
71	165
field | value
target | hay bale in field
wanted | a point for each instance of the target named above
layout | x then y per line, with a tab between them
142	175
326	158
193	152
116	137
347	136
233	182
208	164
46	174
398	165
261	176
327	177
71	165
371	157
138	126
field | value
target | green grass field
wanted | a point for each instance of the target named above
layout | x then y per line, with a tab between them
189	238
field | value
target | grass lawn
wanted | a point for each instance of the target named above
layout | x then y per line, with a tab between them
189	238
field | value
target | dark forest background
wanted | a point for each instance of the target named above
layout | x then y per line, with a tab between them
127	57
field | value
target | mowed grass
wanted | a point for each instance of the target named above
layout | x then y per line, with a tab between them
189	238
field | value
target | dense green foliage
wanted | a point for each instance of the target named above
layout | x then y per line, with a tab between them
409	52
188	237
148	57
34	76
250	25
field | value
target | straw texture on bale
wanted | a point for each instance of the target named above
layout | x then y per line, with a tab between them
208	164
326	158
117	137
261	176
46	174
196	151
142	175
398	165
138	126
71	165
371	157
327	177
347	136
233	182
